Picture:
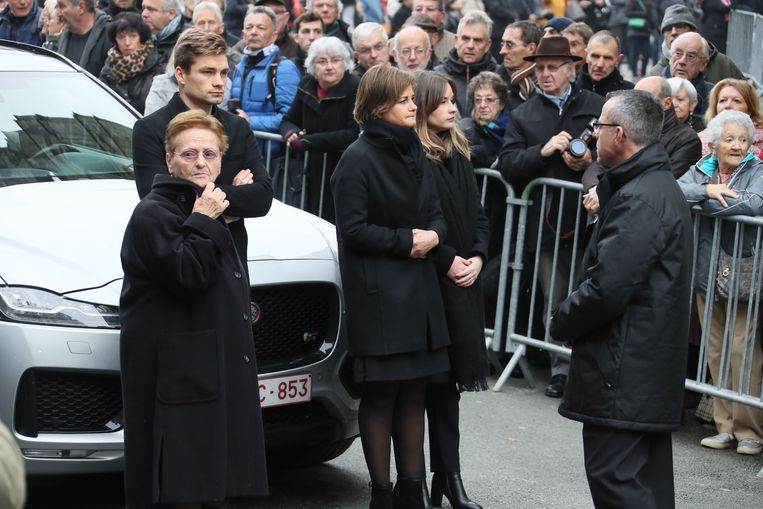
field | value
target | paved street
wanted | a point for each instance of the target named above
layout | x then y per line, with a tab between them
517	452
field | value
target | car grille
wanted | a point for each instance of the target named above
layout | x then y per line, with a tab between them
298	324
66	402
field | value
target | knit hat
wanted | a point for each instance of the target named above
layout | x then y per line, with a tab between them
677	14
12	481
559	23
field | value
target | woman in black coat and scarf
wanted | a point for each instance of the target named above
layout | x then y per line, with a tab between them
193	425
459	260
133	61
389	221
320	118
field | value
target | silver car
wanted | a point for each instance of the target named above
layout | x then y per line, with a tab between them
66	193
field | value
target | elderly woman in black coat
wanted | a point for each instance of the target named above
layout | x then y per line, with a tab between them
320	118
133	61
388	222
193	425
459	260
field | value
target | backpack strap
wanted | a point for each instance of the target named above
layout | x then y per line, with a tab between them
272	75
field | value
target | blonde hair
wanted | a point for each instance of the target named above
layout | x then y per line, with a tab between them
428	93
745	90
380	88
194	119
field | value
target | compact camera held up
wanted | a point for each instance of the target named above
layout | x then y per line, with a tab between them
579	145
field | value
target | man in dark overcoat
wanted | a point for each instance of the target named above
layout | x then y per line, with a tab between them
628	318
201	70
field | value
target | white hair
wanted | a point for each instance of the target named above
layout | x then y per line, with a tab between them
676	84
366	30
201	6
427	41
476	18
715	128
168	5
339	6
330	47
692	35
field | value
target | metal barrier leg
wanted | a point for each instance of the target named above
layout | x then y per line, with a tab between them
518	357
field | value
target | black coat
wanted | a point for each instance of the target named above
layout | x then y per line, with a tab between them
461	73
611	83
682	144
468	235
483	147
530	127
245	201
193	425
628	319
97	45
134	90
382	191
330	128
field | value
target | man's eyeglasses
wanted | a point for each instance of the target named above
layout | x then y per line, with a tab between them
407	52
192	155
365	50
510	44
598	125
539	68
690	57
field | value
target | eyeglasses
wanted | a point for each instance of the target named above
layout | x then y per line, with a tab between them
192	155
690	57
539	68
407	52
598	125
510	44
487	100
365	50
325	61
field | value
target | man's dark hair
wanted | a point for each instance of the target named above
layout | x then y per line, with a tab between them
639	113
128	21
194	43
307	17
529	31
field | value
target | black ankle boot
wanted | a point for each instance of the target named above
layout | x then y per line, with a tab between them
381	496
451	485
411	494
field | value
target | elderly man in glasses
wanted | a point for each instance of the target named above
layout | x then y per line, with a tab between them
538	144
371	48
689	55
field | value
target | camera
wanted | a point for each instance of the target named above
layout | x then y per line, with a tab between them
579	145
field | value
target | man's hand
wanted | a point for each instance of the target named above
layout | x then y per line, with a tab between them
591	201
243	178
468	273
212	202
578	163
558	143
718	191
423	242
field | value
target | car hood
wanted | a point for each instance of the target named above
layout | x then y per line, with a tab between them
66	236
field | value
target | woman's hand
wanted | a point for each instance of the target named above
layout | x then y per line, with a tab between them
294	136
423	242
718	191
212	202
469	272
243	178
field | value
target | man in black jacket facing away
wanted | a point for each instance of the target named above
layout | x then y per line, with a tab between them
628	318
201	70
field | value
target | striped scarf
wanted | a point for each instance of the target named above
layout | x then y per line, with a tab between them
523	79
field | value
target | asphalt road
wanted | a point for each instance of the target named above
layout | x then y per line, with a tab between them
517	452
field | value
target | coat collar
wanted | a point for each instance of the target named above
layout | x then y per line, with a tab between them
183	192
651	158
176	106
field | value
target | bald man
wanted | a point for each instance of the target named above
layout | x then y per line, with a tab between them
412	49
680	141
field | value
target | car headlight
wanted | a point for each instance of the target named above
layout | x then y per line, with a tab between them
32	305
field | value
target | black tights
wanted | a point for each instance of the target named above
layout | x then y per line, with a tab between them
393	411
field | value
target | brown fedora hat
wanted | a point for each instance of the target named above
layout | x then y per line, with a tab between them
554	46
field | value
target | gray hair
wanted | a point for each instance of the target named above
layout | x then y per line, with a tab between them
89	4
687	35
261	9
715	128
488	79
639	114
604	36
331	47
676	84
440	5
339	6
211	6
427	41
176	5
366	30
476	18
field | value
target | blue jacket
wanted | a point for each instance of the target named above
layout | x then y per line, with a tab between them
26	29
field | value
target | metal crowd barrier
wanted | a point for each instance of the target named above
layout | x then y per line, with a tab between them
277	164
739	376
744	43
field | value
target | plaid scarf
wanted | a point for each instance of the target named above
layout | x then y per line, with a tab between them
124	67
523	79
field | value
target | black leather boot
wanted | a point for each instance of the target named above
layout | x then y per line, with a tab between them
451	485
411	494
381	496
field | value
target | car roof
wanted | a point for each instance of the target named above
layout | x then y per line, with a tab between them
15	56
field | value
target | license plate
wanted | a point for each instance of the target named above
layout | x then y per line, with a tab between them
285	390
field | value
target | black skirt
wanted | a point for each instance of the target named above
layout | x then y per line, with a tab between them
401	366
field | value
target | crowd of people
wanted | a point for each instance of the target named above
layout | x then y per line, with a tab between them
388	107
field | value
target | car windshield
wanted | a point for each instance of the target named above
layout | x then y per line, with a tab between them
61	126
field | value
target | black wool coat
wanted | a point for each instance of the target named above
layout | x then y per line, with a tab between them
193	425
468	236
329	129
530	127
382	191
252	200
611	83
628	319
